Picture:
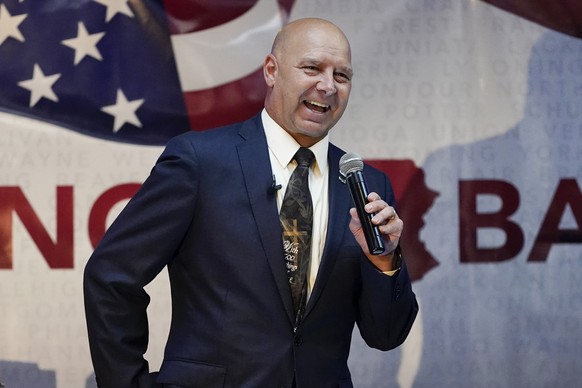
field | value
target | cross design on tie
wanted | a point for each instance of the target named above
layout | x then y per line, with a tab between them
291	247
296	221
295	233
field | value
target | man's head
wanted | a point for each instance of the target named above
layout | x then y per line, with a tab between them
308	75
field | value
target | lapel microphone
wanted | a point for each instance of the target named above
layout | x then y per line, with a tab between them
274	186
351	166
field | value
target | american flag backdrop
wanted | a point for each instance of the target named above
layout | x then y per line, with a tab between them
102	68
142	71
131	71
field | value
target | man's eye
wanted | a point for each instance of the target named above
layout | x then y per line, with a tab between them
342	77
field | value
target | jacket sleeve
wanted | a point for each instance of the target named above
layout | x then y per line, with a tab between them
137	246
387	304
388	307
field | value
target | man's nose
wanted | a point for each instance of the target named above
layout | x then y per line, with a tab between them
327	84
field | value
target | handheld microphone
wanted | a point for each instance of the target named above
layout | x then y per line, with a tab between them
351	166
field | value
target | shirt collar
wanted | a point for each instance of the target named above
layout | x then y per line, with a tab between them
284	147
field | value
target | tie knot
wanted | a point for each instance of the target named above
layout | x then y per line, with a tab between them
304	157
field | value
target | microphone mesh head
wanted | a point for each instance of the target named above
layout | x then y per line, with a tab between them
350	163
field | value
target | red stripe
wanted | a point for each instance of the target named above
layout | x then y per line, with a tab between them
238	100
195	15
226	104
560	15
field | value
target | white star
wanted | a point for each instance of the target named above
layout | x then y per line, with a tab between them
114	7
123	111
40	86
9	25
84	44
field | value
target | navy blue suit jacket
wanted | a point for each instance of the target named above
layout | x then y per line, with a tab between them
208	214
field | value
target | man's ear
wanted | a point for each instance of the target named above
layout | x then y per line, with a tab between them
270	68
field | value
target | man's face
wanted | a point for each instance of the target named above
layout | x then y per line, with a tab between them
310	83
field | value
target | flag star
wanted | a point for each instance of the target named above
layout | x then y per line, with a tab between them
114	7
123	111
84	44
40	86
9	25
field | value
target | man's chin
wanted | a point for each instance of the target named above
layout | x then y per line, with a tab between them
315	133
307	137
317	129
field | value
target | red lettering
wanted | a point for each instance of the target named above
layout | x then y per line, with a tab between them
59	253
102	207
567	193
470	221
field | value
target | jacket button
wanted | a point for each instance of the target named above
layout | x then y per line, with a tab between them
298	340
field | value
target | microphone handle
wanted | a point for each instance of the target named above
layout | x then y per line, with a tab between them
360	193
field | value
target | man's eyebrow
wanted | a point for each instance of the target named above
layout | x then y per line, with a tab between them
309	60
347	70
343	69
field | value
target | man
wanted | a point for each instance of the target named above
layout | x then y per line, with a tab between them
210	212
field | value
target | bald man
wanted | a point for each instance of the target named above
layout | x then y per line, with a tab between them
209	212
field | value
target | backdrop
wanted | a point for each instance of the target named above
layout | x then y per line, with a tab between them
472	108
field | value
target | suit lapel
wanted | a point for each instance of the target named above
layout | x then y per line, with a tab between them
256	167
339	205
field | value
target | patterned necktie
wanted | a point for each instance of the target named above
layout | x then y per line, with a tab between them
297	219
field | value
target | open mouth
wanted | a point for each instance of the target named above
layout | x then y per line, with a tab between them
317	106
